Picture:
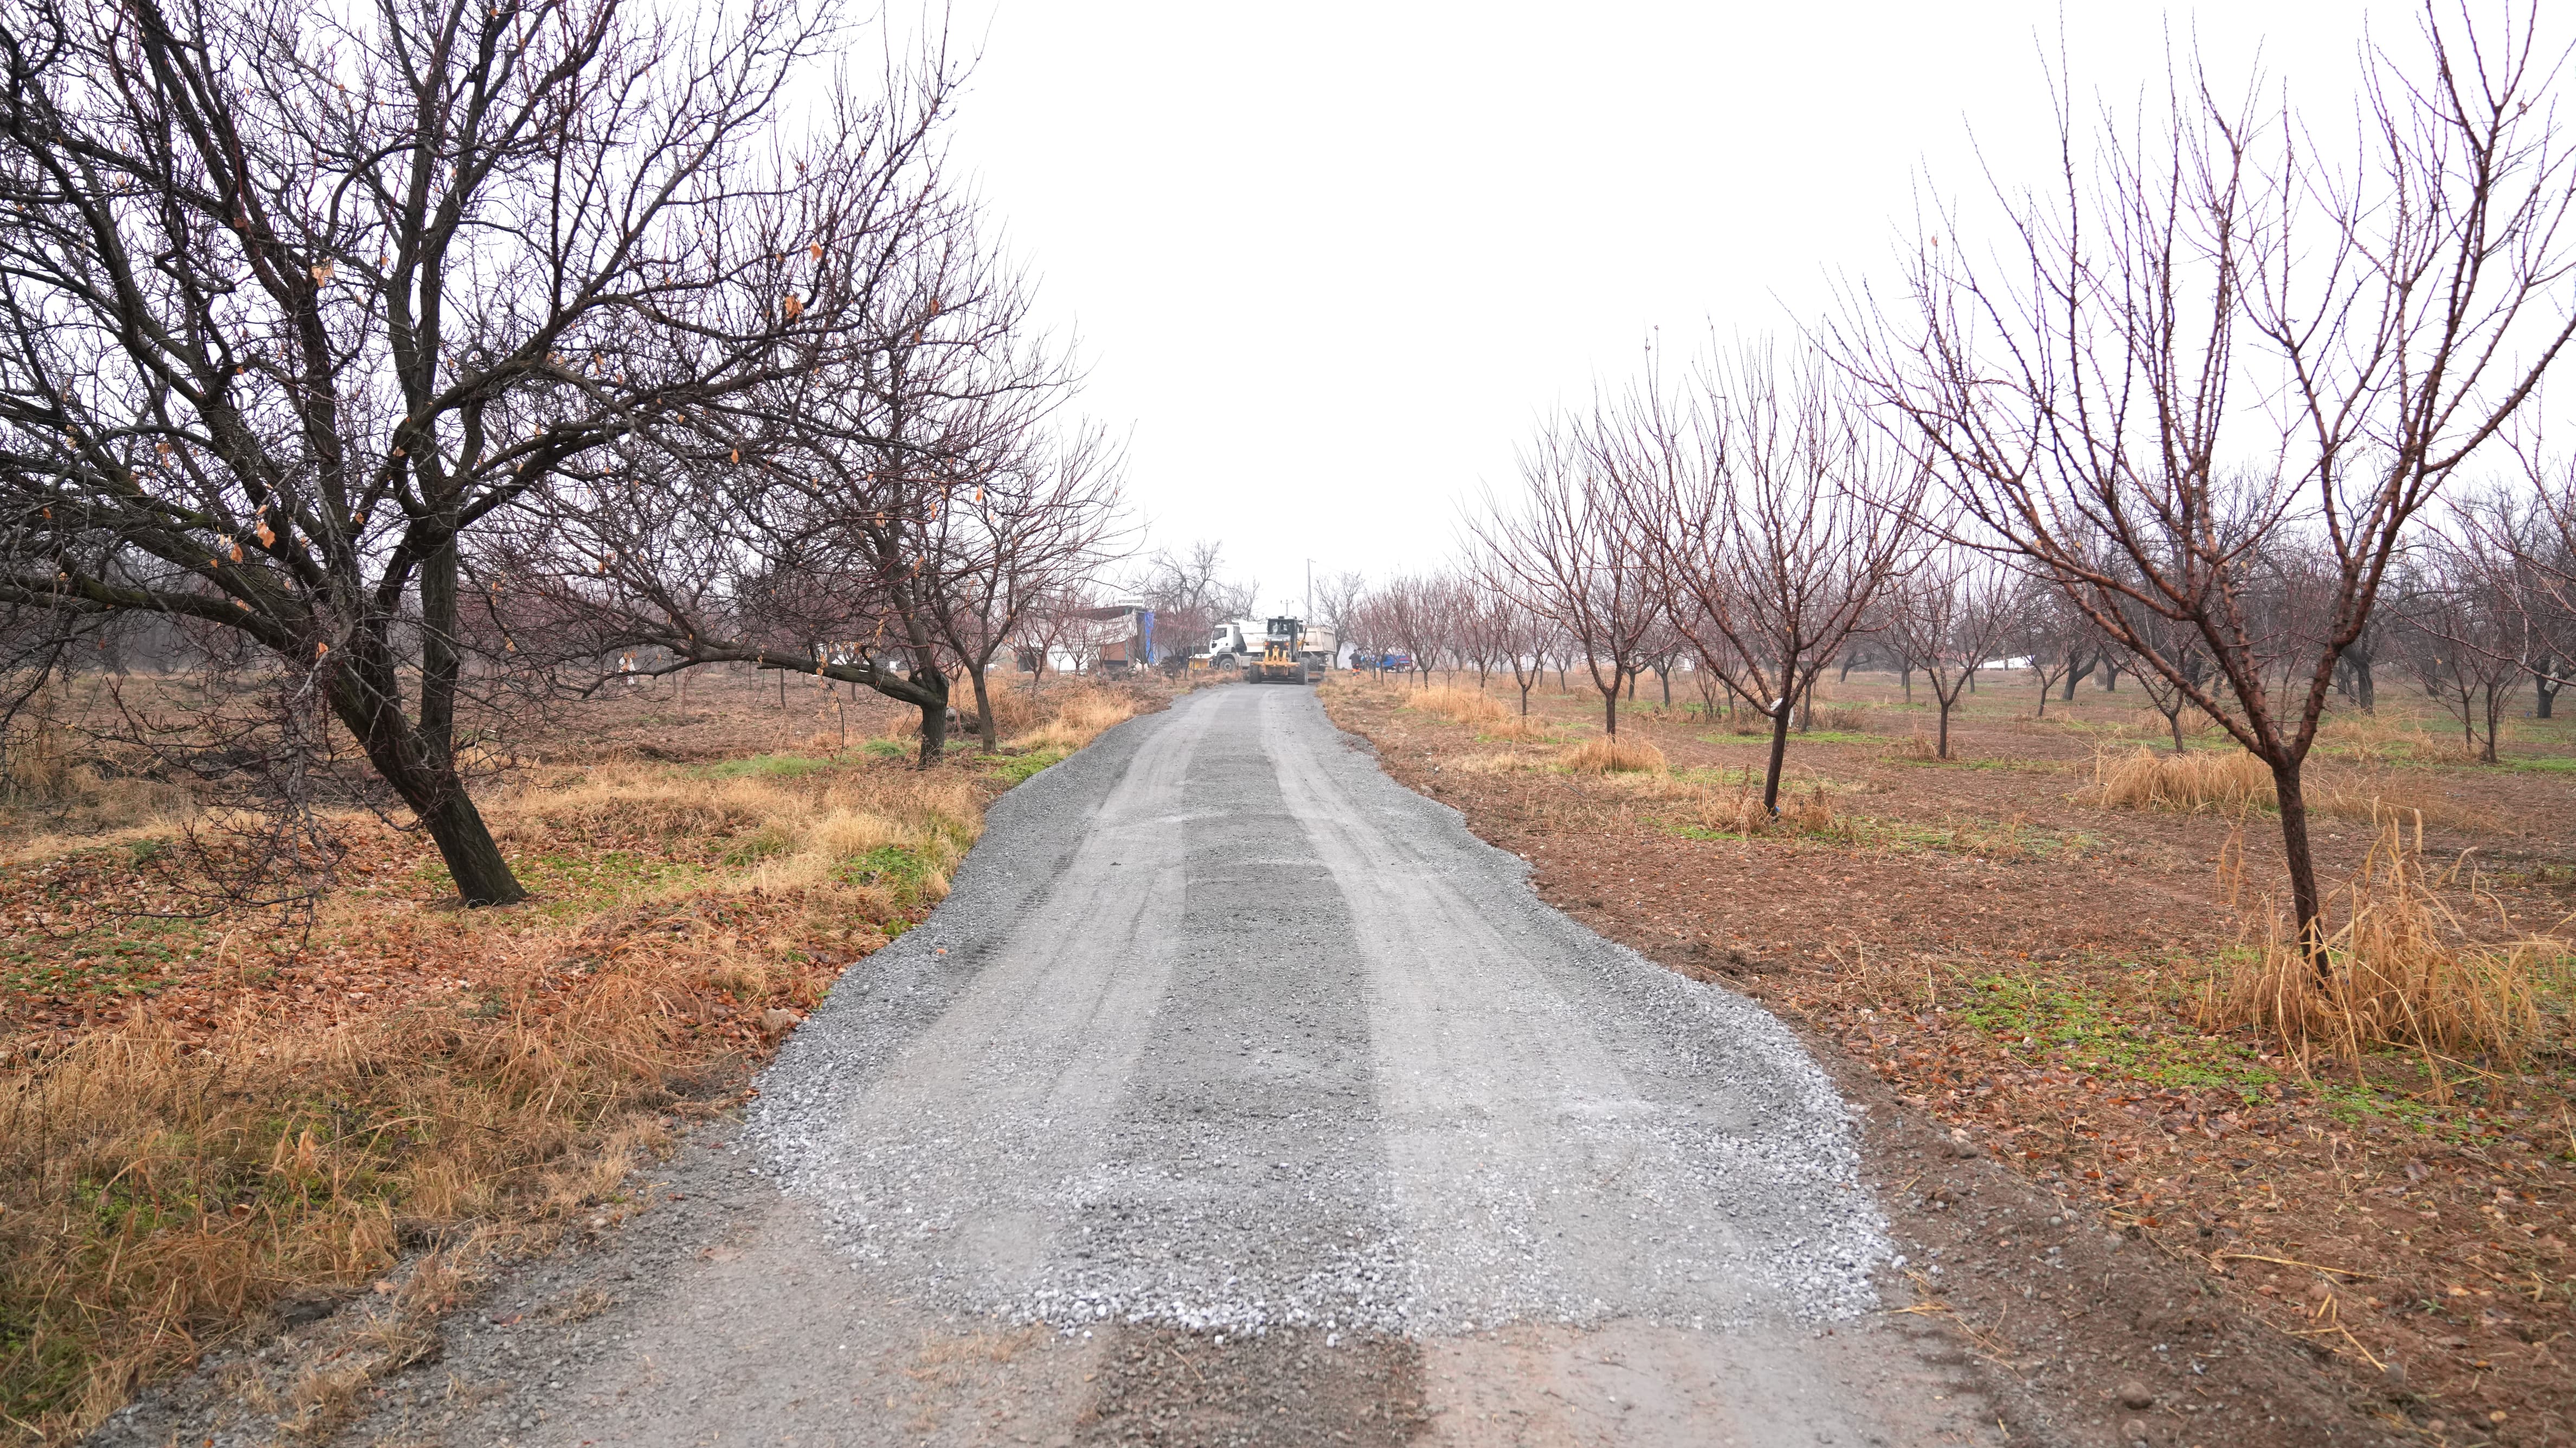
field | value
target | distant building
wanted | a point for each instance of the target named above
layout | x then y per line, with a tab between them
1116	638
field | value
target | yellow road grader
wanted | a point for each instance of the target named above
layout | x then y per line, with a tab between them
1282	657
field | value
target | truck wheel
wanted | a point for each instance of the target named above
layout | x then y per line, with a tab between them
1303	676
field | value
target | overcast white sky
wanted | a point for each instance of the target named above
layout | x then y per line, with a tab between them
1330	261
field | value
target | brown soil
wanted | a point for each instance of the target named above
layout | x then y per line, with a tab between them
2008	975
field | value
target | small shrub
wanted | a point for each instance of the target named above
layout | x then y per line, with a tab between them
1613	755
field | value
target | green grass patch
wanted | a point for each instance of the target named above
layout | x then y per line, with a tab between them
2077	1026
1016	769
565	885
760	845
892	868
1813	736
772	766
2548	764
1974	838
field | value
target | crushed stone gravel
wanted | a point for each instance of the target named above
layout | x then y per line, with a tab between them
1223	1029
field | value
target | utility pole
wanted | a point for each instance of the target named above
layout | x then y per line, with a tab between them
1310	590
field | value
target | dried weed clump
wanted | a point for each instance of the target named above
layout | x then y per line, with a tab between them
1459	706
2212	780
2233	781
1738	811
2400	971
1613	755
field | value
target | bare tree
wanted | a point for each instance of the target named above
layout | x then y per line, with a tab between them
841	522
1948	616
1521	634
1420	613
1191	592
2464	636
2537	535
1780	516
1026	531
293	303
1574	551
1338	599
2085	398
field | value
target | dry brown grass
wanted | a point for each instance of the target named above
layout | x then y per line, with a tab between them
1738	811
1078	717
1460	706
1519	729
1914	746
2232	781
159	1196
163	1181
2401	969
51	800
1614	755
2226	780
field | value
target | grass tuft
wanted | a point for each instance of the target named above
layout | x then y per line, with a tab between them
2145	779
1460	706
2401	970
1609	755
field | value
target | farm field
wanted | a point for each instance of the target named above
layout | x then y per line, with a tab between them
217	1117
1985	943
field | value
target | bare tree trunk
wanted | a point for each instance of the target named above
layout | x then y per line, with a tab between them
2304	901
1942	751
983	710
1779	754
934	716
425	778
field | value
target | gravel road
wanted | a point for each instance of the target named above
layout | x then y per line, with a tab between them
1239	1095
